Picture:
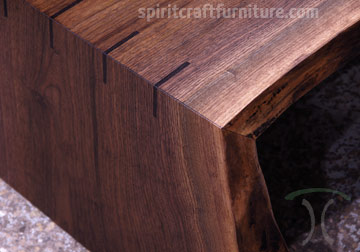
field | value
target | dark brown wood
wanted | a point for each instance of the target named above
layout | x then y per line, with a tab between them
137	136
233	61
266	108
219	83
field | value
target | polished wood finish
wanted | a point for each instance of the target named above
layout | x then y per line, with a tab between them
266	108
137	136
233	61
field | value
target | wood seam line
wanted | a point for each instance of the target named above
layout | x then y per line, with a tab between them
168	77
105	53
5	9
51	32
68	7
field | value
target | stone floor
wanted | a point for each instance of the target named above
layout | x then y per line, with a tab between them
316	143
24	228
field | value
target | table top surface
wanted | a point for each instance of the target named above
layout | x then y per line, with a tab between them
218	66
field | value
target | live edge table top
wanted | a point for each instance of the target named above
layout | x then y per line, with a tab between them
239	73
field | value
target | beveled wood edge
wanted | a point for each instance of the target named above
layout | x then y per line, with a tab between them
107	56
269	105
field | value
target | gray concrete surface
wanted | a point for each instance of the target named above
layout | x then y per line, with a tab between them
23	228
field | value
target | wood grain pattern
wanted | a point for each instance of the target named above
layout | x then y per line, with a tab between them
266	108
137	136
95	159
219	84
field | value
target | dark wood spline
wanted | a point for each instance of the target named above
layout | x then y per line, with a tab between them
5	8
172	74
65	9
168	77
51	33
123	41
51	30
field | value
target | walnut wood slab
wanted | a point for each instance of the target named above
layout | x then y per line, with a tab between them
141	136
